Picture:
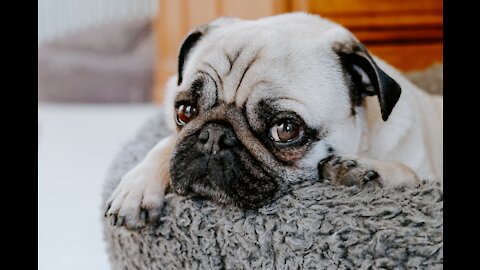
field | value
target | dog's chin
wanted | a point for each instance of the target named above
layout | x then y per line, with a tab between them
246	192
226	179
211	193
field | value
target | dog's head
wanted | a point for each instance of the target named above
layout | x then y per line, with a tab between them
257	104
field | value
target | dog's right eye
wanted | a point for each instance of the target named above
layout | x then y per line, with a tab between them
184	114
286	132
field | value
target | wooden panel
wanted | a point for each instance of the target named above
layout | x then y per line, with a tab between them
300	5
388	21
329	7
201	12
409	57
399	36
252	9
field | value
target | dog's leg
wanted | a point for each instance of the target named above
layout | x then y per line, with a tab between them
138	198
351	170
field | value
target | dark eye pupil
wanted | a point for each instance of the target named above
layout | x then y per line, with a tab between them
287	131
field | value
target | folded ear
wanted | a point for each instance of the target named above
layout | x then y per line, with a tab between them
188	43
192	39
366	78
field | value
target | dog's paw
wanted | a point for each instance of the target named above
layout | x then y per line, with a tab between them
347	171
137	201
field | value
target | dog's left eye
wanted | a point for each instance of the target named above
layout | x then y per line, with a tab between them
286	131
184	113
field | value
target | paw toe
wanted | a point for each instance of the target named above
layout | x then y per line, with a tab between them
120	221
113	219
335	161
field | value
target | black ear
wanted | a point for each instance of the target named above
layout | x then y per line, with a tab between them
366	78
187	46
196	35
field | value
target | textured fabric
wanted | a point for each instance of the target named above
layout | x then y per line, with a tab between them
107	63
315	226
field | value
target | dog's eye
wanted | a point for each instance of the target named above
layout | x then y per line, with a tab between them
184	113
286	132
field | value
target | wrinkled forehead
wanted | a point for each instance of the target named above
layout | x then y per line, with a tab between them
248	63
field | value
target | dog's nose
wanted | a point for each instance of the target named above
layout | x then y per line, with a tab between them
216	137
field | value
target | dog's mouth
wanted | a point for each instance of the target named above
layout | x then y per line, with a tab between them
247	196
232	176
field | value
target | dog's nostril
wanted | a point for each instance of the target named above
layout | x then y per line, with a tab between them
203	136
230	140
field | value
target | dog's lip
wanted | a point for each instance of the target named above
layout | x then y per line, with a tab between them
221	197
202	186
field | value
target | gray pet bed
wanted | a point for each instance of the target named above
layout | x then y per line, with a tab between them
315	226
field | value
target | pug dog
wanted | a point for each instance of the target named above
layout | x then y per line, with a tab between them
260	104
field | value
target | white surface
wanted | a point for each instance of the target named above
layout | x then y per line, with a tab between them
76	146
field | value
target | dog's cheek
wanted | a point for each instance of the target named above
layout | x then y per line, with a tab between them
291	156
318	151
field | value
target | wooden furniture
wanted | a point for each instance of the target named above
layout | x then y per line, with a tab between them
408	33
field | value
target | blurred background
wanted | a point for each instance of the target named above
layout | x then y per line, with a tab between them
102	65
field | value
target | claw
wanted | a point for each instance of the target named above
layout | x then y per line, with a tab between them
350	163
323	161
144	215
370	175
108	208
335	161
113	220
